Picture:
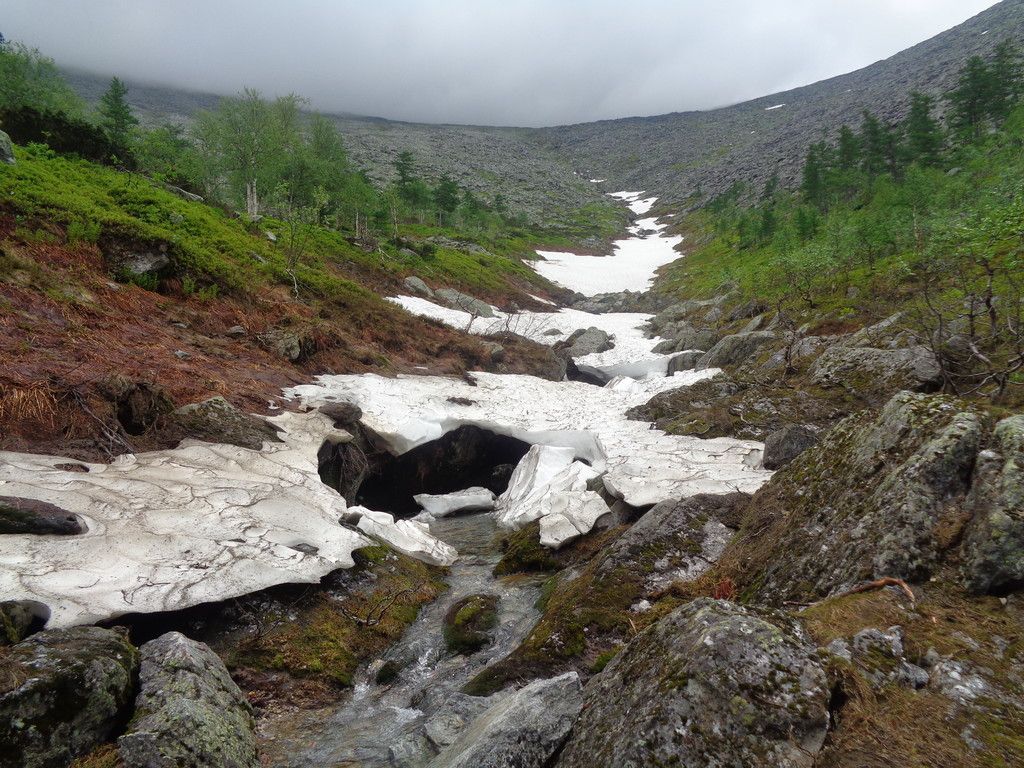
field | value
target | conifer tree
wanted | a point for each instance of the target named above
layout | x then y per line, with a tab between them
924	136
1006	80
971	99
849	149
116	116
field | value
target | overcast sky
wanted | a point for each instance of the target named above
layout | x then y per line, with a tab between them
498	62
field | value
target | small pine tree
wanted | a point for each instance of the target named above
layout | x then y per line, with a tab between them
1006	80
116	116
446	195
814	187
849	149
405	166
971	100
924	136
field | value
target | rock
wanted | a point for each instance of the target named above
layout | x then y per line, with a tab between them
734	350
459	502
182	355
583	342
17	619
784	445
468	622
494	350
6	150
681	336
270	236
461	301
218	421
878	496
285	343
417	286
145	263
236	332
525	730
747	310
713	683
685	361
64	692
553	332
189	713
345	414
407	536
881	371
37	517
994	548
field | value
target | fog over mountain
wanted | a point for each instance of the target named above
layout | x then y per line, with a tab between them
526	62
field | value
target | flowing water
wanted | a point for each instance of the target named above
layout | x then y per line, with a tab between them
378	726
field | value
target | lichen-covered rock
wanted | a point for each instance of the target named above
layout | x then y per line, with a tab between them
17	618
881	371
523	730
37	517
784	445
876	497
712	683
735	349
189	713
6	150
63	693
682	336
585	341
417	286
461	301
994	550
218	421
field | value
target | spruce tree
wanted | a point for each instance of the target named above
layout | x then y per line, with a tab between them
116	116
814	185
1006	80
971	99
849	149
875	146
924	136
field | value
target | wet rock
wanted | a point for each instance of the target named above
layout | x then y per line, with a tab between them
878	496
63	693
468	623
6	150
18	618
345	414
37	517
461	301
189	713
459	502
583	342
713	683
417	286
218	421
994	549
881	371
734	350
522	731
784	445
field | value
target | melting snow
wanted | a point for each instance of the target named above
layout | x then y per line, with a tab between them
777	106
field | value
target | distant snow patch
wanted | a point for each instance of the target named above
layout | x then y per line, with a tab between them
777	106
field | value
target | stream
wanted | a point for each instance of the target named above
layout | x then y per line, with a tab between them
384	726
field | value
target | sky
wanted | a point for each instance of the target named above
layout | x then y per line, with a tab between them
487	62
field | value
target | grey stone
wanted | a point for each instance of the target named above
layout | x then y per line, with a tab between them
882	371
456	300
734	350
712	683
523	730
494	350
17	618
72	689
343	413
784	445
235	332
994	548
417	286
19	515
583	342
285	343
145	263
189	713
6	150
218	421
684	361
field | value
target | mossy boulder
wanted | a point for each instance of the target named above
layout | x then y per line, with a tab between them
468	623
62	694
712	683
218	421
734	350
189	713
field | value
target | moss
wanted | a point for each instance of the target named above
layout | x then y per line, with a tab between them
388	672
522	553
105	756
328	635
468	622
602	660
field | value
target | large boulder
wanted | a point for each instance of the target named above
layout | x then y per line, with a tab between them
468	623
711	684
38	517
882	371
994	550
218	421
6	150
417	286
784	445
879	496
456	300
189	713
585	341
524	730
681	336
62	694
735	349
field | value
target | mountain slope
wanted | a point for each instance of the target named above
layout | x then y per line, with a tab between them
674	155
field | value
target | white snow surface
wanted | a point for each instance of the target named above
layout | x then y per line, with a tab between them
444	504
176	528
641	465
632	354
631	265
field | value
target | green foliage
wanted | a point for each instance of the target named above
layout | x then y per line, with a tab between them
29	79
87	232
116	116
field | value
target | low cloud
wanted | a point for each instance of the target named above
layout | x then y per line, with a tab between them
496	62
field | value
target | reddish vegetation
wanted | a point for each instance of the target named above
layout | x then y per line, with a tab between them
66	328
